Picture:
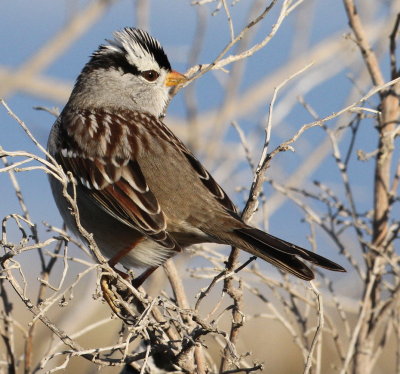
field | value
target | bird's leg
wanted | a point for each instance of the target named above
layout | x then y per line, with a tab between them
105	281
138	281
123	252
111	297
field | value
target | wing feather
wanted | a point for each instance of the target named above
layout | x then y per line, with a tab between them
114	180
208	181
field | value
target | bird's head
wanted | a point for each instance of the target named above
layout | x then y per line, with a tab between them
131	71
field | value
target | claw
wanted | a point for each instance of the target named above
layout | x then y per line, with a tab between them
109	295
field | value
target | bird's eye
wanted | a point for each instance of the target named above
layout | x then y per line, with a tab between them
150	75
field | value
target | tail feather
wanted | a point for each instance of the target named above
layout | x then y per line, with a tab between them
283	254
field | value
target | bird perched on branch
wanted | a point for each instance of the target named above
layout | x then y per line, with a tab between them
140	191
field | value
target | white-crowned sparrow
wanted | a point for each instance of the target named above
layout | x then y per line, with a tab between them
140	191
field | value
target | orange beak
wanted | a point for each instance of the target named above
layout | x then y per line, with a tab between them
174	78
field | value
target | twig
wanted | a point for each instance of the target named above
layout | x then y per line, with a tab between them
318	333
362	42
229	17
179	292
245	145
394	71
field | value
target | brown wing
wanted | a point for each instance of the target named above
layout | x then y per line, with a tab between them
205	177
109	171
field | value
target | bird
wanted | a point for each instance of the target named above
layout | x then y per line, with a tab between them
140	191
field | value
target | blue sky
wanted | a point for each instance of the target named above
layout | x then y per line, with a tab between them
25	29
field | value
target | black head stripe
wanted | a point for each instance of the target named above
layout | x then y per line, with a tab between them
103	59
149	44
115	55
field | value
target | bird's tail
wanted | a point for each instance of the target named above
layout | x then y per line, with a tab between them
283	254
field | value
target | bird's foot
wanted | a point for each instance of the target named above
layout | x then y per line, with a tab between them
108	294
119	297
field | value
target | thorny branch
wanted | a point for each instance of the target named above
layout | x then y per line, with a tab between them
362	344
89	354
168	328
